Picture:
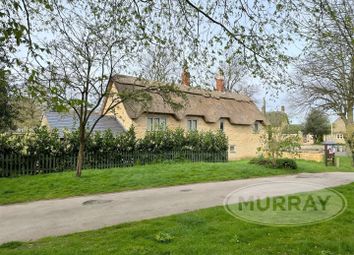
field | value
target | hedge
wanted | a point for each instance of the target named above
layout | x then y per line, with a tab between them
42	141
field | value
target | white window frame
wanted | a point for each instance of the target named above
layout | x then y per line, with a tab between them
192	124
155	123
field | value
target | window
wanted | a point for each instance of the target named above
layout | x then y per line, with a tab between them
156	123
150	124
232	148
162	123
256	127
221	125
192	124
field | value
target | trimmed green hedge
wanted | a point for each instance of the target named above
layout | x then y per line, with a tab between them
44	151
42	141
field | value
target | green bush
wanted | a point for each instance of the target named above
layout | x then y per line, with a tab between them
42	141
279	163
286	163
260	161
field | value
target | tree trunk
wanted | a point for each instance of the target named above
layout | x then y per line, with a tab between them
349	139
350	125
274	160
81	154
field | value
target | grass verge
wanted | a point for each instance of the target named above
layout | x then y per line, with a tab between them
207	231
61	185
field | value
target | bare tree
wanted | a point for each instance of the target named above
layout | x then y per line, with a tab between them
92	40
325	75
236	76
255	31
88	50
252	30
160	63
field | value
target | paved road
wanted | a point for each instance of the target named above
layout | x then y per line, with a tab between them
30	221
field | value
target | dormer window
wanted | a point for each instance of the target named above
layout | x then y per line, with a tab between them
256	127
156	123
221	125
192	124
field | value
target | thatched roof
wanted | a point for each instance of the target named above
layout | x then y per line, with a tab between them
211	105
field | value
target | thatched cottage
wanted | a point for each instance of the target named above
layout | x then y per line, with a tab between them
235	114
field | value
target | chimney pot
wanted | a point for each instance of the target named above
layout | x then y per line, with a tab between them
220	81
186	77
283	108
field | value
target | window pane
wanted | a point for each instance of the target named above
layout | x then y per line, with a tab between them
189	124
194	124
221	125
156	123
256	127
149	124
163	123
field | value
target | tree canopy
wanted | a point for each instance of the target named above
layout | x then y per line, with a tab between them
325	73
8	110
317	124
66	52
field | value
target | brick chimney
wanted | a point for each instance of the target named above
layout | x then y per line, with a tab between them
282	108
220	81
186	76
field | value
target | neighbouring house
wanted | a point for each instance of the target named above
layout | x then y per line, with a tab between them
338	131
308	139
297	129
280	119
277	118
235	114
69	121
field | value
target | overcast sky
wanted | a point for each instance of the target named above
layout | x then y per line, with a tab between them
274	98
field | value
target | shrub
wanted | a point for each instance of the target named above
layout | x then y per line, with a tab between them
275	143
42	141
286	163
10	144
279	163
261	161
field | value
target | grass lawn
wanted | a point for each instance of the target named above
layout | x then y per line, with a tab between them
207	231
60	185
